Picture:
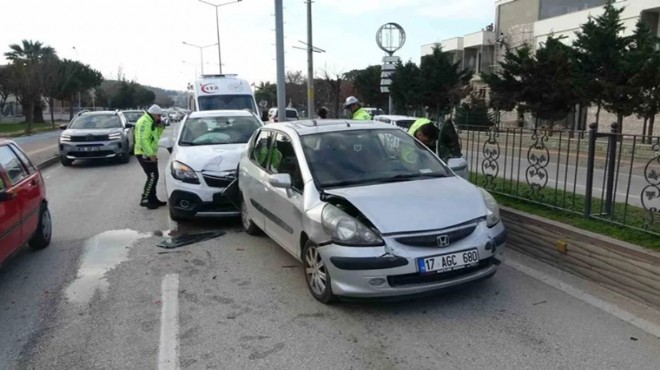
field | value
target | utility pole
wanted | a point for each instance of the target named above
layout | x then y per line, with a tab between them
217	26
311	106
279	46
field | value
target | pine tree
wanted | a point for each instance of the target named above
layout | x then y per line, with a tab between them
406	88
645	58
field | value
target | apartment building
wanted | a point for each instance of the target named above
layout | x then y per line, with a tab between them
532	21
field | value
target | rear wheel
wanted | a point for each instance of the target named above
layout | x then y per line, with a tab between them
66	162
41	238
316	274
248	226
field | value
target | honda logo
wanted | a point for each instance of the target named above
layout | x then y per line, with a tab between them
443	240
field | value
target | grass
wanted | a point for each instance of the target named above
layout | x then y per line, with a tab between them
568	208
18	129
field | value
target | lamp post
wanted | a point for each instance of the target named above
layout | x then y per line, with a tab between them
201	52
217	26
79	98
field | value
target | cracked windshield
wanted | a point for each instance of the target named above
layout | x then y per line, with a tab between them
330	184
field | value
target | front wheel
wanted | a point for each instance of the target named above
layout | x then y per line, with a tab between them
66	162
316	274
41	238
248	226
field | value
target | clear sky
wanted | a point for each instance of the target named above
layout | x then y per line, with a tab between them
144	37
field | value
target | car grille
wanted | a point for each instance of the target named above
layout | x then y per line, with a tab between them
431	240
218	181
417	278
82	138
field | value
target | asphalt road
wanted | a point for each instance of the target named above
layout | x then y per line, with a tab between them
103	295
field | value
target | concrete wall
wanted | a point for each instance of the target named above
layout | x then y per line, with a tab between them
517	12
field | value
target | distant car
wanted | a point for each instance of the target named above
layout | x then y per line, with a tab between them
97	135
367	209
202	166
24	214
291	114
403	122
374	111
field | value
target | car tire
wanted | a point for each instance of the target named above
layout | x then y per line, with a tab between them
176	216
248	226
66	162
41	238
316	273
125	157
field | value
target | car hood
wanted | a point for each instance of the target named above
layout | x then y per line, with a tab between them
418	205
210	158
84	132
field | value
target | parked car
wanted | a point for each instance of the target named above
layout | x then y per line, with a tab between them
24	215
369	210
402	122
291	114
202	166
374	111
97	135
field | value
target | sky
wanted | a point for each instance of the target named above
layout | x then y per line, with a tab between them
144	38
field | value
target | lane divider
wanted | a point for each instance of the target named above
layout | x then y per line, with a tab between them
168	350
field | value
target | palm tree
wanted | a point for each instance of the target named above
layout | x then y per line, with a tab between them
30	51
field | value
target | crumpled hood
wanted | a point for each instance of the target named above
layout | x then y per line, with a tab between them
211	158
416	205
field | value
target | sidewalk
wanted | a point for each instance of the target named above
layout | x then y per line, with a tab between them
42	148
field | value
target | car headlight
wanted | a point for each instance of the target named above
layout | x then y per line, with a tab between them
183	172
114	136
493	215
347	230
65	137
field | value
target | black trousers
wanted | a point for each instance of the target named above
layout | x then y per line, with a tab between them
151	170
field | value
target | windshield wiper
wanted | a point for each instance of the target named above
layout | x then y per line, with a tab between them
413	176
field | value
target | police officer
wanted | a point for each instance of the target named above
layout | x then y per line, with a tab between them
425	131
323	113
148	130
445	138
357	112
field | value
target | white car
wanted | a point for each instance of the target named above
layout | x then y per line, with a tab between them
202	168
403	122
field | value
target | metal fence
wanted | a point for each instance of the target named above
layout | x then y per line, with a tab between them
604	175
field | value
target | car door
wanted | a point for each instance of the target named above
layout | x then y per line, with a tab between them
12	175
284	206
31	193
256	177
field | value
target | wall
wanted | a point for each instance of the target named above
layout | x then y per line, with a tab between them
516	13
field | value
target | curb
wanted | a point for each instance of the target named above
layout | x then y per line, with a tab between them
48	162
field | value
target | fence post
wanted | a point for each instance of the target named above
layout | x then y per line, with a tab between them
611	167
591	154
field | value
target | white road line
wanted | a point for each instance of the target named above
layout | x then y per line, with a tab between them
620	313
168	352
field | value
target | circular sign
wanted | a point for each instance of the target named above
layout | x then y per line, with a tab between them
390	37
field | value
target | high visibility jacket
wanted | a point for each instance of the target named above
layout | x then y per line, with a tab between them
275	157
361	115
417	124
147	135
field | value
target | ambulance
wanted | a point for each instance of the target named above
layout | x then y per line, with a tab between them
224	91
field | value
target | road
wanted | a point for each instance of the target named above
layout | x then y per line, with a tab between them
103	295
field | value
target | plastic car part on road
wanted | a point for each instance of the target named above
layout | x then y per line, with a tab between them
182	240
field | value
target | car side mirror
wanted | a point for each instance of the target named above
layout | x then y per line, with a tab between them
130	125
63	127
5	195
458	165
280	180
166	143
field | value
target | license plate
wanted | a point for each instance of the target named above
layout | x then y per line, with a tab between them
448	262
89	149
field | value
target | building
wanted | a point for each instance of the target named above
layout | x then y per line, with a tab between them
531	21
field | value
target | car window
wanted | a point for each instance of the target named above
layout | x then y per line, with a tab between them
368	156
133	116
24	159
12	165
283	159
96	121
218	130
405	123
219	102
260	149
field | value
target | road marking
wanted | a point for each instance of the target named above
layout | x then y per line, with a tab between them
620	313
168	352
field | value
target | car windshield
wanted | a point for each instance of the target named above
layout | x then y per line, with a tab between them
405	123
218	130
96	121
358	157
219	102
133	116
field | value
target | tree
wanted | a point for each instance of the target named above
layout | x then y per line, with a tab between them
406	88
444	83
646	58
367	84
605	67
267	92
506	85
5	88
474	113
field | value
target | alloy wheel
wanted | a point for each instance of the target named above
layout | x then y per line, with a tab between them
316	271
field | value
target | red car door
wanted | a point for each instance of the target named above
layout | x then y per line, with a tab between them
11	213
31	191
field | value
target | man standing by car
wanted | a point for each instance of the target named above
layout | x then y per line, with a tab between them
148	130
445	138
357	112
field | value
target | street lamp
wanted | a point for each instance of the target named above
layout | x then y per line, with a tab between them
201	53
217	26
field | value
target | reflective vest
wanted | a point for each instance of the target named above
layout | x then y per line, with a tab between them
147	135
361	115
417	124
275	158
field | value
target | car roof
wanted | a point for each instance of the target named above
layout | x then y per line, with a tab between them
307	127
131	110
221	113
396	117
5	141
100	113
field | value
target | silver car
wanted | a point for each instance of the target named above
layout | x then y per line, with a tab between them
97	135
367	209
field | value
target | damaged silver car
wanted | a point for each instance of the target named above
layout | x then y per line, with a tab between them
368	210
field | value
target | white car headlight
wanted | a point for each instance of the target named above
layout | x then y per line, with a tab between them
114	136
183	172
493	209
65	137
347	230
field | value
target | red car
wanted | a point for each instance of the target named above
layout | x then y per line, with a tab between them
24	215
